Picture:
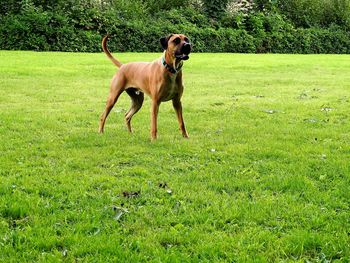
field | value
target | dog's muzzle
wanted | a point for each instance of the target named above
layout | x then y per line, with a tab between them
184	51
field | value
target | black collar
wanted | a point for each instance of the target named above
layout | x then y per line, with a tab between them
170	68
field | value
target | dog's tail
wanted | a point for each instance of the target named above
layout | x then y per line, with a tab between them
109	55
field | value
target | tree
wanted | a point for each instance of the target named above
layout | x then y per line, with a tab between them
214	8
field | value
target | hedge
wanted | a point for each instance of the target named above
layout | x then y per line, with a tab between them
35	29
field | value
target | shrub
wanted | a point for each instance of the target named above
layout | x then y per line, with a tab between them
317	13
77	25
25	31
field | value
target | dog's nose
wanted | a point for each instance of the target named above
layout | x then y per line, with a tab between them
186	48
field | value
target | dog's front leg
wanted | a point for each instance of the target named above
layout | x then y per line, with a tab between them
178	109
154	114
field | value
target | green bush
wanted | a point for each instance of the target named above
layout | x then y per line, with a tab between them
296	26
317	13
308	41
214	8
27	30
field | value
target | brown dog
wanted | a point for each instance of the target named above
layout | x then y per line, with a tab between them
160	79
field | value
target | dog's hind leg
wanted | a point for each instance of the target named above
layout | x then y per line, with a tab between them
117	87
136	104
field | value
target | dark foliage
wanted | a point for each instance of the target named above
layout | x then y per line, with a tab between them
289	26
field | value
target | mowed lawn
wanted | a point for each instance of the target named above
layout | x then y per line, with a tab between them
264	177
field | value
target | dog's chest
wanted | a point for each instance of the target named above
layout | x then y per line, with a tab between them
170	91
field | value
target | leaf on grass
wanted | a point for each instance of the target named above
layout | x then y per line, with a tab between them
131	194
327	109
64	252
97	232
270	111
302	96
311	120
163	185
119	110
118	215
119	211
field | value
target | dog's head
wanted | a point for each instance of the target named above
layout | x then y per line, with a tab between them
177	45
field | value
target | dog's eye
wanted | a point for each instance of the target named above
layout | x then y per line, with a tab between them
186	40
177	40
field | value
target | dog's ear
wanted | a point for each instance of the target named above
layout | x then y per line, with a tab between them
164	41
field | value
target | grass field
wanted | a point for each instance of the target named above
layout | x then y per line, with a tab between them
264	177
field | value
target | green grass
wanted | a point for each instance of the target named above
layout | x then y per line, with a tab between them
264	177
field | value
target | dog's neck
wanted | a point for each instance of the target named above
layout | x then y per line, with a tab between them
172	64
